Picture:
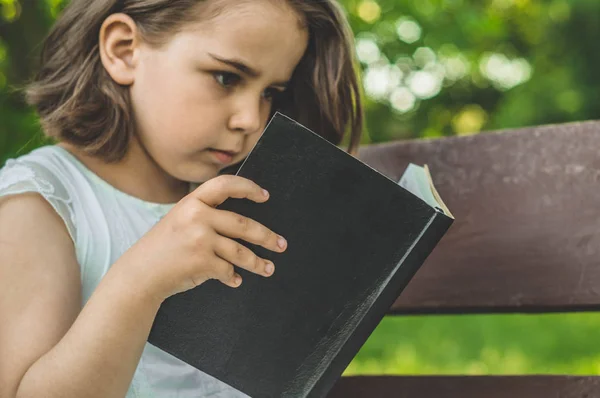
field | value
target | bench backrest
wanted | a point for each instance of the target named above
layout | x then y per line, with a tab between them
527	231
526	239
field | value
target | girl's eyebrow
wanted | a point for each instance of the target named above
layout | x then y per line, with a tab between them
244	68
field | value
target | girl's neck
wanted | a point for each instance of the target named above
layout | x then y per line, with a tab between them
136	174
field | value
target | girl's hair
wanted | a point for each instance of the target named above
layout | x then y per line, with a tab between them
79	103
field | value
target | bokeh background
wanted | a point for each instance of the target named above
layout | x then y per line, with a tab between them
431	68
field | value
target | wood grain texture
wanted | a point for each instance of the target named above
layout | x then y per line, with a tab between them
466	387
527	231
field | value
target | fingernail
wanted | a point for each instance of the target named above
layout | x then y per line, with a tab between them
281	242
269	268
238	280
265	193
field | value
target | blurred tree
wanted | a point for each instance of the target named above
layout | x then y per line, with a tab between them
445	67
21	31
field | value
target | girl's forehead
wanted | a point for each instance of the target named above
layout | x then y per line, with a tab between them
216	11
263	32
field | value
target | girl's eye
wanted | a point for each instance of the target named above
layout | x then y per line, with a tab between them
272	94
227	79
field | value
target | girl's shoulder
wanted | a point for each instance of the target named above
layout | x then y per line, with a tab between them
49	172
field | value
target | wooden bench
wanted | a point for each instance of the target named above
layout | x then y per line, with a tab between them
526	240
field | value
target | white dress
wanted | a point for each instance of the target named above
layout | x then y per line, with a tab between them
103	223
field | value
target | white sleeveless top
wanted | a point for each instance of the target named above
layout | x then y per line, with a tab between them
103	223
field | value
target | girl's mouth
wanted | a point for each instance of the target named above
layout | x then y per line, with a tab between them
224	157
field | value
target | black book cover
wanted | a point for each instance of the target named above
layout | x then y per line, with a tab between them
355	239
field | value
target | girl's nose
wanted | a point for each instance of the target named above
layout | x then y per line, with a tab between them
247	118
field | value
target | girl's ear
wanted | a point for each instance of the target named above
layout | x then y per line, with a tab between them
119	47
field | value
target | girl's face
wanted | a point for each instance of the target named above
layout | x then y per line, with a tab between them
202	100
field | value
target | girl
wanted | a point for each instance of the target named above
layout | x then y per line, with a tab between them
149	101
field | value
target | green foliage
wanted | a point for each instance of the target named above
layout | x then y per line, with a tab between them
21	31
482	344
431	68
472	65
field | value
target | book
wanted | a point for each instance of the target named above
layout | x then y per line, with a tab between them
355	239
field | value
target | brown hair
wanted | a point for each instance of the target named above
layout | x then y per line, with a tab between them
79	103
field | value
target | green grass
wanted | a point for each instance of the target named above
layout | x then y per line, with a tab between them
482	344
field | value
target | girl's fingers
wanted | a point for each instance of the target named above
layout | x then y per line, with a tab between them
225	272
235	226
216	191
235	253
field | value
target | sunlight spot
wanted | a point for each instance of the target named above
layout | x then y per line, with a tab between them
402	100
408	30
367	51
369	11
469	120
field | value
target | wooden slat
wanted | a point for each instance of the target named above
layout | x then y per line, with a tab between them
527	230
466	387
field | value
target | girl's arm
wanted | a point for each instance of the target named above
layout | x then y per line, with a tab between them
48	347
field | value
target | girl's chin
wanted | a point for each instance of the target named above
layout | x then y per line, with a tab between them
207	172
197	176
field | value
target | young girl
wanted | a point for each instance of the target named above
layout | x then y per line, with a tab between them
149	101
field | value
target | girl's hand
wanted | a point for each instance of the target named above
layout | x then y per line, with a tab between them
194	241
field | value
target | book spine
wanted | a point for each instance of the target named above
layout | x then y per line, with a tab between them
412	261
